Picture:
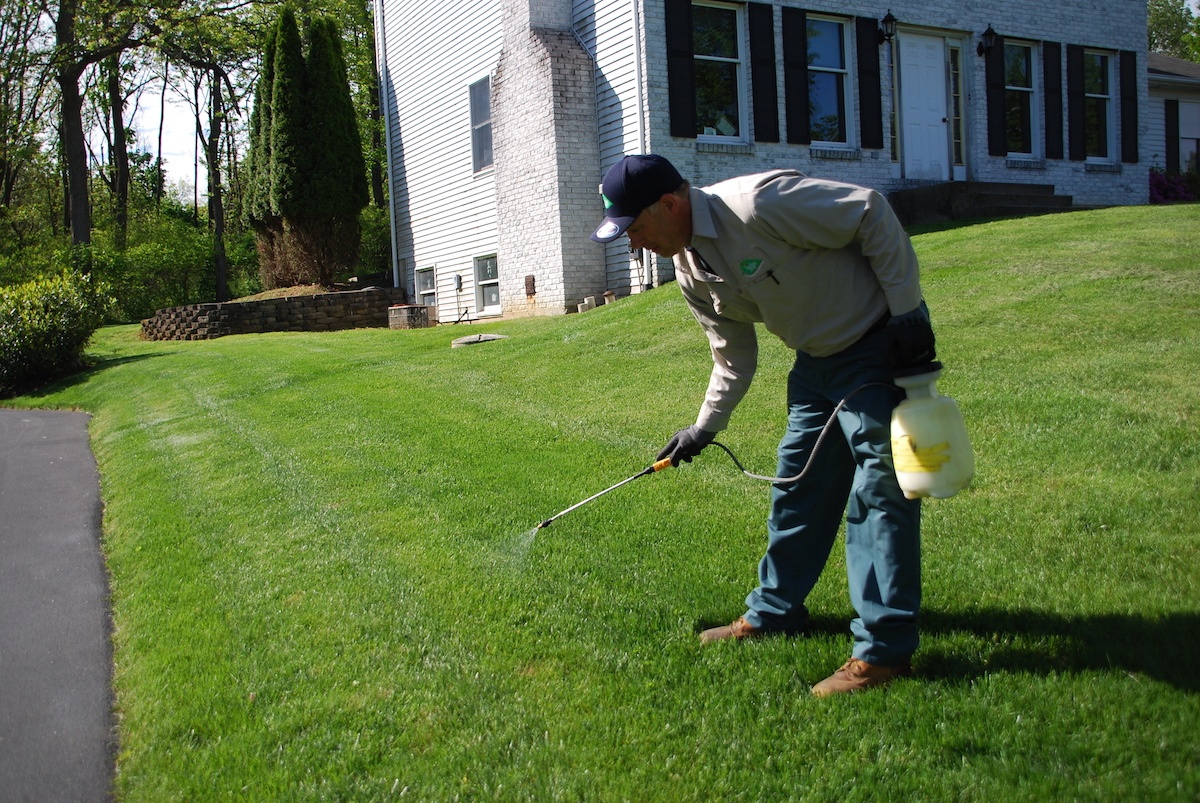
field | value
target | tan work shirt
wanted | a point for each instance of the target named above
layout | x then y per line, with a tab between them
817	262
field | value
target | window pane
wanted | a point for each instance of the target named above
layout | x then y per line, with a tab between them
491	295
481	105
1188	160
714	32
481	146
1095	74
1018	69
827	109
1189	119
425	281
717	98
1018	121
1096	125
825	45
485	269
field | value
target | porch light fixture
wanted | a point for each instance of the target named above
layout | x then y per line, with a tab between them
888	30
987	42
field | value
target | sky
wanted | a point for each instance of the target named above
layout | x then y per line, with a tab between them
179	135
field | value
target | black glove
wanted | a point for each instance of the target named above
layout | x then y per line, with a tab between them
909	341
686	444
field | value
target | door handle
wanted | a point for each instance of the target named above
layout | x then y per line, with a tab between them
945	119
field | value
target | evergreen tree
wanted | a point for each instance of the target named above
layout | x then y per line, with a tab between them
307	174
337	183
258	192
288	118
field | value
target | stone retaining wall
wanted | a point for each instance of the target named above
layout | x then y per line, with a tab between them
318	313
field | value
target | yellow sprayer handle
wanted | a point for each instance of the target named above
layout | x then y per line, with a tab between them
661	464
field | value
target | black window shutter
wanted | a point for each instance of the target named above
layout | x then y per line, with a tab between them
1076	135
1171	119
1129	107
681	77
1052	89
870	95
795	75
994	80
764	90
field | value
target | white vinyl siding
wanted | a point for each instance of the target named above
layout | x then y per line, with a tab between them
445	212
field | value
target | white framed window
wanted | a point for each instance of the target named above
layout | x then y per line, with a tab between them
481	124
1189	137
1099	123
1020	98
828	80
427	287
718	34
487	285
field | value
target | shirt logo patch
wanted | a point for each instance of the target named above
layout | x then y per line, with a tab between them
749	267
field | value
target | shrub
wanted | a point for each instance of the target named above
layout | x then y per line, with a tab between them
1167	188
44	326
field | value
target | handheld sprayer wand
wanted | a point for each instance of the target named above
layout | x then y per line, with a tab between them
666	462
924	466
659	466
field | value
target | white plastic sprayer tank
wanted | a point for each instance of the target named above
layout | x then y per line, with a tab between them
930	447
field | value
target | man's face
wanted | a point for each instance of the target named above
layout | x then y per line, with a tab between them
662	228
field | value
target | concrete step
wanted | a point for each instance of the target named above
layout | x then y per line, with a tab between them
971	200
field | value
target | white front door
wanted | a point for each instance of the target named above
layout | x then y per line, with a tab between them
924	119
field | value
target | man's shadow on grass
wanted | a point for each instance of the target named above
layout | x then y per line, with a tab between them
959	646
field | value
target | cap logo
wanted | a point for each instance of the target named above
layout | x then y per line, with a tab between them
608	229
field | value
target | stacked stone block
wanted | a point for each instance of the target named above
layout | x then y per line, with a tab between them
326	312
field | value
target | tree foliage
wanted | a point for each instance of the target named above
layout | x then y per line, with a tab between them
1173	29
308	174
79	189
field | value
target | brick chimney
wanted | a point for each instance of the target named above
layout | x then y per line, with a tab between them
547	162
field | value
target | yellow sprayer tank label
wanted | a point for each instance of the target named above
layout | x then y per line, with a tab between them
912	459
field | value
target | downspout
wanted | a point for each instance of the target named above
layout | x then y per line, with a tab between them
638	78
640	88
386	109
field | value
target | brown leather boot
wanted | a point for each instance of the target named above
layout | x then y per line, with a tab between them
856	675
737	629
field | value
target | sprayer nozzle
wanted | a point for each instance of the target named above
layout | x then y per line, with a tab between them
545	524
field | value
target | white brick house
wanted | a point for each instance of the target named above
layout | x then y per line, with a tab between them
503	115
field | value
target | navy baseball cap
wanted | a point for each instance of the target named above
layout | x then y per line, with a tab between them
630	186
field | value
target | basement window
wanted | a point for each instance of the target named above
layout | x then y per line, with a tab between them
487	285
427	287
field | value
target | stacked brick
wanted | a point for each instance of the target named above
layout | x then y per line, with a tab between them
326	312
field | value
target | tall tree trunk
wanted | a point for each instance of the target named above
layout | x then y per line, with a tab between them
159	182
73	146
216	205
120	152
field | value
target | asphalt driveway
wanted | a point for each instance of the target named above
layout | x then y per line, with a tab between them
57	729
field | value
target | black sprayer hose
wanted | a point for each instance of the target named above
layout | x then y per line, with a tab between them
816	446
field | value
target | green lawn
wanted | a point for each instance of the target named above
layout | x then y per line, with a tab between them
325	584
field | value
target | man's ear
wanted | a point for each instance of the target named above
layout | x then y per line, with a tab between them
670	203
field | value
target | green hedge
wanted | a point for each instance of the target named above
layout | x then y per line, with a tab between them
45	325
